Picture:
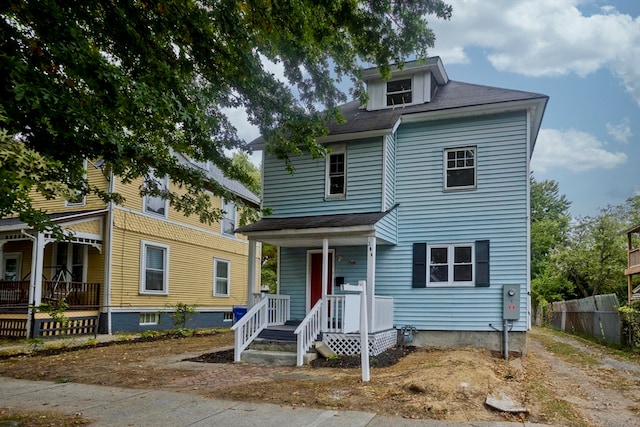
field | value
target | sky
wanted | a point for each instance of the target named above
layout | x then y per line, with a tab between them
583	54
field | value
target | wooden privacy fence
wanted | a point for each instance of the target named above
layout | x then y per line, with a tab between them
597	316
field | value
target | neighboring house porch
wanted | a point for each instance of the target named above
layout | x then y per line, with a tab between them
37	269
633	251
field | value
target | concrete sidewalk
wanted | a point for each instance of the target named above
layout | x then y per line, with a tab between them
111	406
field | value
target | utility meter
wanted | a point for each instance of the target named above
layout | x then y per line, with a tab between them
511	302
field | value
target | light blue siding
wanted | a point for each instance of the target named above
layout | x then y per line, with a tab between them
304	192
496	210
293	279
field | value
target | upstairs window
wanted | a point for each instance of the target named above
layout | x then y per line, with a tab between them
228	217
156	205
78	198
336	173
460	168
399	92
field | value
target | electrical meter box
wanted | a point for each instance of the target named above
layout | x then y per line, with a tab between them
511	302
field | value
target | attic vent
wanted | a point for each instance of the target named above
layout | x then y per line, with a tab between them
399	92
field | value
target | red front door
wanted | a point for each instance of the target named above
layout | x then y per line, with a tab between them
316	277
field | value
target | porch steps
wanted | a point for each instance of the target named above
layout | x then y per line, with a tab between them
276	346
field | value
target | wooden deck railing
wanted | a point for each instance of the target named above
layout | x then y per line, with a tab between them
14	293
76	294
634	257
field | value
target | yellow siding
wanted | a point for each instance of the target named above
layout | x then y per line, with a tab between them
92	201
191	257
93	226
95	266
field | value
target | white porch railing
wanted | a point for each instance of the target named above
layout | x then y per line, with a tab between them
383	310
308	331
269	311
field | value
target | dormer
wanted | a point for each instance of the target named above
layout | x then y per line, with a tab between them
414	84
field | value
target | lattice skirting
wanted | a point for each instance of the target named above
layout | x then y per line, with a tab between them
79	324
349	344
13	326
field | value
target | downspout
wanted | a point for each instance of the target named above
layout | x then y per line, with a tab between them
32	281
108	255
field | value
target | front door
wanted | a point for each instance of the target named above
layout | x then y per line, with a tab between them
316	277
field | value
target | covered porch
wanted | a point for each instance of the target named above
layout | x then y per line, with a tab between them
322	307
39	271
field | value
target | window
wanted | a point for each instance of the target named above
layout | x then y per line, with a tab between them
155	270
460	168
450	264
221	277
336	181
460	264
69	262
228	217
12	265
399	92
149	319
155	204
78	199
227	316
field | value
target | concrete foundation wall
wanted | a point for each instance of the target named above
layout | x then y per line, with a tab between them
488	340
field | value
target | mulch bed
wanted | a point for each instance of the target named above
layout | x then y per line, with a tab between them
383	360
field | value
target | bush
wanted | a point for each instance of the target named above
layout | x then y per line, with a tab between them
630	318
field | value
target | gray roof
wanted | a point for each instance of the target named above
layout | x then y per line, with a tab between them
217	175
449	96
313	221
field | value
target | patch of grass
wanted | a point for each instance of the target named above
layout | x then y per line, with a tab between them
550	408
567	352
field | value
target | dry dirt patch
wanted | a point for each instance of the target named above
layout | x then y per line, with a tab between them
449	384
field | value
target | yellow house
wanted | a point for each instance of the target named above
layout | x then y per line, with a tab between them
125	267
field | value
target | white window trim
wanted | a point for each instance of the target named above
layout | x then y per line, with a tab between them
450	257
475	169
225	216
335	149
143	261
165	181
68	203
146	316
215	276
387	93
11	255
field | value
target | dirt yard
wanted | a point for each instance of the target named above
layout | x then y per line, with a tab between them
562	381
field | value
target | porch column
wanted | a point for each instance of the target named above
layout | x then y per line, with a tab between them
39	265
325	279
251	283
2	242
371	280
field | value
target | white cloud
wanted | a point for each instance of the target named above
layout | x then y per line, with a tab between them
574	150
543	38
620	132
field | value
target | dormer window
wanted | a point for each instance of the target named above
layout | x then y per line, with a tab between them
399	92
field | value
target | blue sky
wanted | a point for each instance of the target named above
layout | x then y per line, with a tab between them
583	54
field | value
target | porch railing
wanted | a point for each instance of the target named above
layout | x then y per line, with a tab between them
634	257
308	332
76	294
269	311
14	293
383	319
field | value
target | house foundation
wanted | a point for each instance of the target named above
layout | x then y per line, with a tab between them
489	340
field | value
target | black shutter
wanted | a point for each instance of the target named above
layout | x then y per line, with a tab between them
482	263
419	265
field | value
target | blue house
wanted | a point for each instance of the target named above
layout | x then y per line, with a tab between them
424	196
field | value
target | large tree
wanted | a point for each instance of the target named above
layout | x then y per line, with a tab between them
133	82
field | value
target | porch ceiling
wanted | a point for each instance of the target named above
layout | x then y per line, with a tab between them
314	238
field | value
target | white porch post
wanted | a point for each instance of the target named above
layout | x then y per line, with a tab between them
325	278
371	279
251	283
37	276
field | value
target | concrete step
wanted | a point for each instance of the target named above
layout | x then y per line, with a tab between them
273	345
275	358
